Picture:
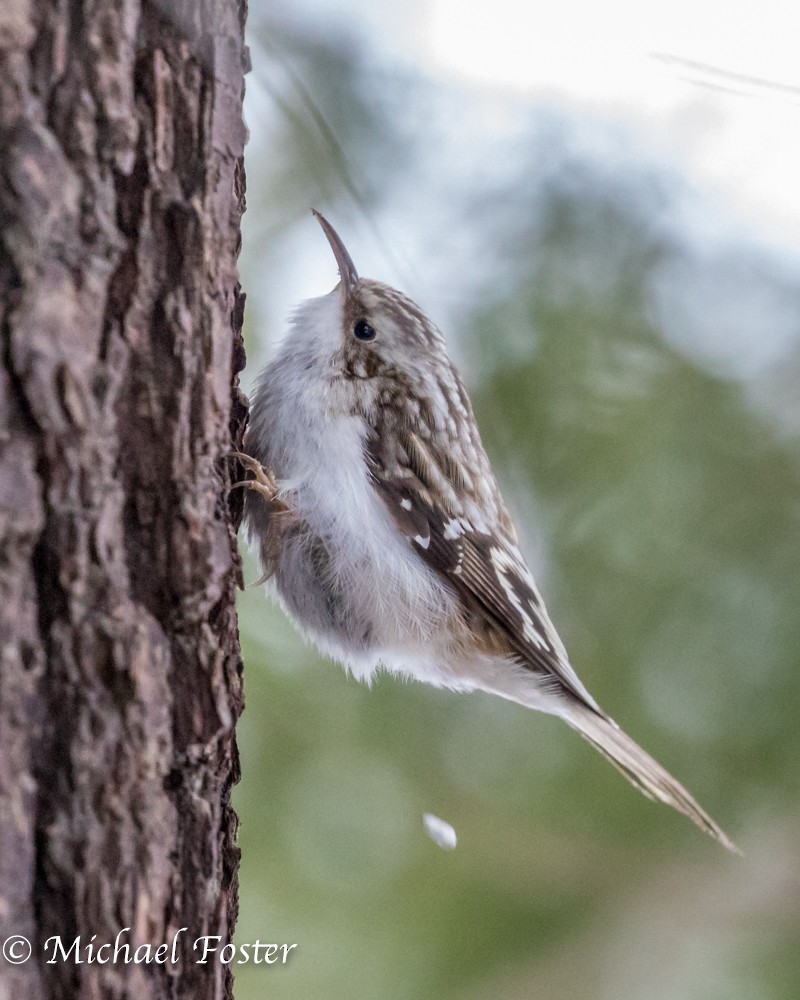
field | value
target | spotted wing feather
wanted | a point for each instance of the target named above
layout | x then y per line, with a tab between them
486	570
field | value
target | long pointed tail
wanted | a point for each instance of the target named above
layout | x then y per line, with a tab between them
640	768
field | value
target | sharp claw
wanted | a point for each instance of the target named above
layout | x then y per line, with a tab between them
269	492
263	482
246	460
259	581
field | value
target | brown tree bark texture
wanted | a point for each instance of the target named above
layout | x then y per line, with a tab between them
121	191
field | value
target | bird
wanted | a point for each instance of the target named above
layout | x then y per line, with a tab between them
381	529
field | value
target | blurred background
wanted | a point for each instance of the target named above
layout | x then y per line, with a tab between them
599	206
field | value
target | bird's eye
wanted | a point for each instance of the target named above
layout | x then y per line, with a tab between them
363	331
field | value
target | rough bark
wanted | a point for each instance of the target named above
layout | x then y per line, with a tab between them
121	191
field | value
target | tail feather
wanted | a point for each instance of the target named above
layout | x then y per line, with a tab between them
640	768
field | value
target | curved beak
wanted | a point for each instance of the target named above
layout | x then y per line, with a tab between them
347	269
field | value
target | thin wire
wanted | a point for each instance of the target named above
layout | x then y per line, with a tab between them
717	78
347	173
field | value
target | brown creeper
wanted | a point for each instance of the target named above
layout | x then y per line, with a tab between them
384	533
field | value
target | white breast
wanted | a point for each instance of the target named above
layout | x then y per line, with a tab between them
329	487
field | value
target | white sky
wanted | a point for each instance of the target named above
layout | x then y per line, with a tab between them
602	57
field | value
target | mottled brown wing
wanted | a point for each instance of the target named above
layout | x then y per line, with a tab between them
487	572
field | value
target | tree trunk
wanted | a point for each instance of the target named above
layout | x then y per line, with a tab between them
121	192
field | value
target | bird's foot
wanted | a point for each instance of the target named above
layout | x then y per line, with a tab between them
263	481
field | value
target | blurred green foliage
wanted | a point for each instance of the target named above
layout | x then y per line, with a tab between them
655	480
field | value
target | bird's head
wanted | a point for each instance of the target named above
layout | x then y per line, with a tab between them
366	331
